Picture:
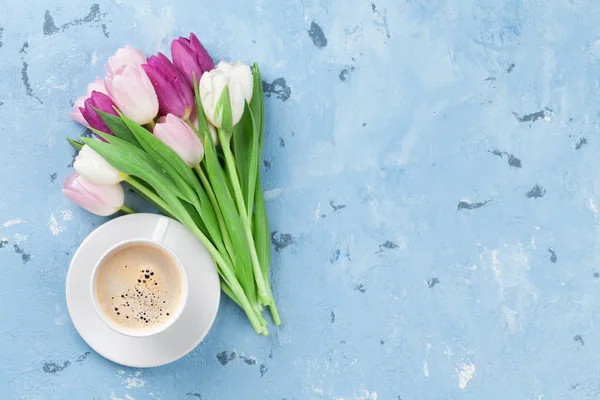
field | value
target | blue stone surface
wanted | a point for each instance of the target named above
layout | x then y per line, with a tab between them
431	175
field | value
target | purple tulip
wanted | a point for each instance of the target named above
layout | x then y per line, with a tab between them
190	57
101	200
174	94
103	103
98	86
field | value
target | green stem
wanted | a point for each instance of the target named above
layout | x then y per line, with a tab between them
273	307
149	193
215	204
263	293
229	293
233	298
127	210
151	125
226	272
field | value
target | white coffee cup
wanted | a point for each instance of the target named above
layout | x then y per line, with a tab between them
156	242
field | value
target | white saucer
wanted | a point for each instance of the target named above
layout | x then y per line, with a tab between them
176	341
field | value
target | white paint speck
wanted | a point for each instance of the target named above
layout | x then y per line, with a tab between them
271	194
367	395
54	226
60	317
465	374
510	319
593	206
66	215
279	64
132	381
496	266
318	390
448	352
94	59
11	222
19	237
318	211
128	397
425	368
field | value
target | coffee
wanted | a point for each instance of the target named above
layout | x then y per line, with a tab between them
139	288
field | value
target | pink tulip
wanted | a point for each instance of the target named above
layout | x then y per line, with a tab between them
190	57
131	90
125	56
101	200
179	136
98	86
76	114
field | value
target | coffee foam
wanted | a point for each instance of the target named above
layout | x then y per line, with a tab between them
139	288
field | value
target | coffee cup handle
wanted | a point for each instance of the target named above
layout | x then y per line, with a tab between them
161	229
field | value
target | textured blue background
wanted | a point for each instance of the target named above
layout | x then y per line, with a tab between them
431	175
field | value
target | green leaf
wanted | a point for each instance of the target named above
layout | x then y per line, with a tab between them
202	122
118	127
262	243
246	151
218	180
181	174
199	222
148	199
260	231
148	143
77	145
131	160
224	111
257	105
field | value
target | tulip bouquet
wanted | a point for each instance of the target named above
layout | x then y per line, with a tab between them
187	136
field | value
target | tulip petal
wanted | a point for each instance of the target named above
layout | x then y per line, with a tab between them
236	96
76	114
174	94
177	134
242	74
134	94
94	168
124	56
190	58
98	86
101	102
101	200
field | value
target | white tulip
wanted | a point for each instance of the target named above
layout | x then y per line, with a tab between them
96	169
239	74
238	78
